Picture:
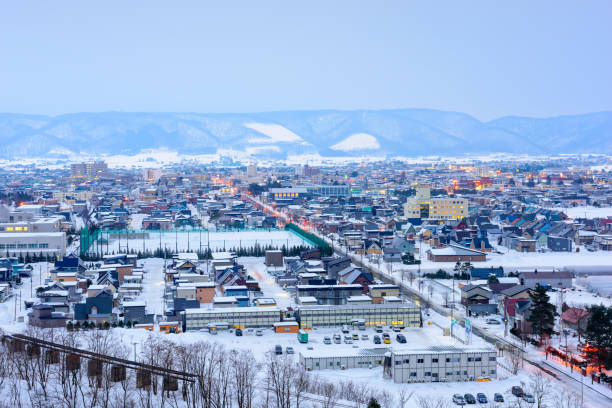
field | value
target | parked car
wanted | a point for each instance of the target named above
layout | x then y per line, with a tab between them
289	350
482	399
379	329
401	338
238	332
364	337
348	340
458	399
278	349
337	339
469	398
362	327
259	332
493	321
528	398
397	329
517	391
498	397
377	339
327	340
355	336
345	329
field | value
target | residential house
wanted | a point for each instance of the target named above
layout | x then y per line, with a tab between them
478	299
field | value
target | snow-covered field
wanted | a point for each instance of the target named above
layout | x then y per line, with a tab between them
587	212
194	240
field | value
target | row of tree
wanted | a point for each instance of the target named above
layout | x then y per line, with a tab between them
256	250
223	378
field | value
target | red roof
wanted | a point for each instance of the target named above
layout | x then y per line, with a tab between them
574	315
509	305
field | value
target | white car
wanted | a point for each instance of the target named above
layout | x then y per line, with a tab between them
458	399
493	321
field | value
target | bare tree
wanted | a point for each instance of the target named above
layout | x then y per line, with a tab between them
280	375
515	355
329	392
539	386
404	395
431	402
301	384
244	369
567	400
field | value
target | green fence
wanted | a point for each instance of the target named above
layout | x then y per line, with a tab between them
88	237
312	239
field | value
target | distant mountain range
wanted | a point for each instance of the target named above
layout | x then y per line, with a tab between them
401	132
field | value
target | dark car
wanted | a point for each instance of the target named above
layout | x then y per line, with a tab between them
238	332
278	349
377	339
469	398
498	397
401	338
482	399
517	391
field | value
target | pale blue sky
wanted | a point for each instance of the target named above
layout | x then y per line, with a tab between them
486	58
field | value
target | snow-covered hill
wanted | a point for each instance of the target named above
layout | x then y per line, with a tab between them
407	132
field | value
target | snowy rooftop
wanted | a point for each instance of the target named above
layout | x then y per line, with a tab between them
135	303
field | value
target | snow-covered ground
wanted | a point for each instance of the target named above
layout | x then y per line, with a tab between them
194	240
586	212
256	269
12	310
512	260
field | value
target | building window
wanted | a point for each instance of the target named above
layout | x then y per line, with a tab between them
492	358
420	361
427	374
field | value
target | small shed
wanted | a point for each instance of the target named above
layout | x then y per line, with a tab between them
286	327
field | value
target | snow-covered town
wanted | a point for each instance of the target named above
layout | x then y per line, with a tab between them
321	293
320	204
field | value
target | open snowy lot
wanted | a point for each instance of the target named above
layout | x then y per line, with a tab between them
587	212
195	240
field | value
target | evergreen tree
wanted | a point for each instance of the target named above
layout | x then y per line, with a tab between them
543	313
598	335
373	403
492	279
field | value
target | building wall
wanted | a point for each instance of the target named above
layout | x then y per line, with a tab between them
436	208
433	366
456	258
400	315
33	243
247	317
205	295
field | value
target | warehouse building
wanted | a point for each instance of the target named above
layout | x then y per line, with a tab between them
403	315
440	363
237	317
51	243
342	359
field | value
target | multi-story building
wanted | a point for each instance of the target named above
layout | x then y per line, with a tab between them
236	317
88	170
52	243
422	205
403	315
441	363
